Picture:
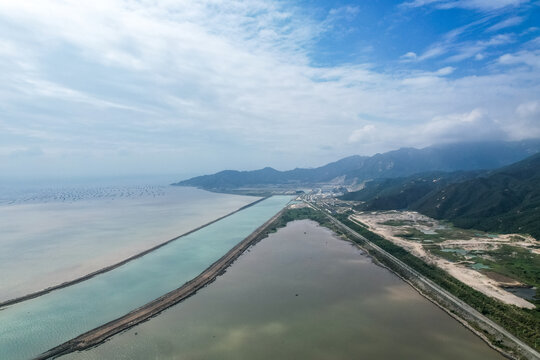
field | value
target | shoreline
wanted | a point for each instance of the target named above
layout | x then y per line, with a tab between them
470	320
108	268
456	308
100	334
432	300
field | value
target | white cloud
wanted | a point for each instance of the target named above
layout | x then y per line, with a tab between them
530	30
365	133
486	4
427	79
434	51
526	122
445	71
466	4
531	58
466	50
469	126
449	41
506	23
225	82
527	109
473	125
410	56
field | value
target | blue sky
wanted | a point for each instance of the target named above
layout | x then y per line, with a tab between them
115	87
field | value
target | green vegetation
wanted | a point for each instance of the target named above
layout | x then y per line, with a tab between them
448	255
523	323
403	193
506	200
304	213
447	233
510	261
517	263
398	222
411	233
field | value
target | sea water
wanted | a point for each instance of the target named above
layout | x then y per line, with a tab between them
301	293
34	326
56	233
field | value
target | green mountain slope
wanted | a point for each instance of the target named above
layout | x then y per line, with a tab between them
506	200
404	193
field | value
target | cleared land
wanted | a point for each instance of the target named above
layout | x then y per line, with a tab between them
464	254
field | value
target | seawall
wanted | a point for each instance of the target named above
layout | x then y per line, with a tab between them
118	264
153	308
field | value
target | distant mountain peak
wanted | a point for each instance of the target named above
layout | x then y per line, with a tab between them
396	163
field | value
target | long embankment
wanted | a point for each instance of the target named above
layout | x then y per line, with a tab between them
118	264
457	308
153	308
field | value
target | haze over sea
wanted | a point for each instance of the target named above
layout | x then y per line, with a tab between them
55	232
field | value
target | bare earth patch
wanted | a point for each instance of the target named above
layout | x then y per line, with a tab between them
392	224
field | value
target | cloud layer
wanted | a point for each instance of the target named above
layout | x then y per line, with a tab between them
123	86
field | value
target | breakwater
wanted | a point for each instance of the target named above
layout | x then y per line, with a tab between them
102	333
29	328
118	264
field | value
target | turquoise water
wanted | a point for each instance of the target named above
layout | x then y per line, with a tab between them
301	293
32	327
50	236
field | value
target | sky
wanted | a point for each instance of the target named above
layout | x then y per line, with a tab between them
119	87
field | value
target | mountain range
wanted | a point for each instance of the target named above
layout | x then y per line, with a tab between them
357	169
491	186
503	200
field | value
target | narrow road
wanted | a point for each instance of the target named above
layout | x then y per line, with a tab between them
524	348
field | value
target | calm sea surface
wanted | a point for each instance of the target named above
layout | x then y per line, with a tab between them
49	235
302	293
34	326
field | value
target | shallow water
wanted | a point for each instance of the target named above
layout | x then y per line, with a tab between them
34	326
52	235
302	293
527	293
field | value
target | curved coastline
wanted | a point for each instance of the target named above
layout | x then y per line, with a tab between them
108	268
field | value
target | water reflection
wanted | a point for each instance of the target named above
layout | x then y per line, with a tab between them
300	294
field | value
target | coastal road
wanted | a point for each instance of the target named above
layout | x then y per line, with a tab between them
524	349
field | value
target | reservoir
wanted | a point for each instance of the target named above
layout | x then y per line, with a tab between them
34	326
301	293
